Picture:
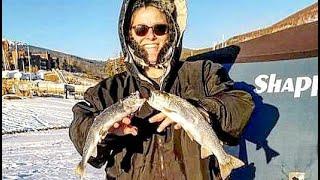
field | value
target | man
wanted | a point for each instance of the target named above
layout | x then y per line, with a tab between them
150	145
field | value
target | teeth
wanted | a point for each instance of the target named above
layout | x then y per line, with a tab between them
150	46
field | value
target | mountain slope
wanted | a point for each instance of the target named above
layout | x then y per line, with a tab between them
304	16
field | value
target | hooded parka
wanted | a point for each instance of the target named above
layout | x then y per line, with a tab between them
169	154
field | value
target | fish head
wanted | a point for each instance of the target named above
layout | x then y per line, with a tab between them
159	100
133	102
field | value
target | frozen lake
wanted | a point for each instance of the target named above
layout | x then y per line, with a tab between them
37	154
42	155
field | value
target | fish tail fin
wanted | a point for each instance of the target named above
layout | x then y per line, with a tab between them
233	163
80	170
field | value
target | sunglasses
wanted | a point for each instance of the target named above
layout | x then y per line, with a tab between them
158	29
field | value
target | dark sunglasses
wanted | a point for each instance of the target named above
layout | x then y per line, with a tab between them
158	29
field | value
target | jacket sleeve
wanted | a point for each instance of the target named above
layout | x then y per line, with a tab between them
229	109
84	114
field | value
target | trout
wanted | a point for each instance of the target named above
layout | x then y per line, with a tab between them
103	122
196	126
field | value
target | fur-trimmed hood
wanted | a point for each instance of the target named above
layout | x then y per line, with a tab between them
176	11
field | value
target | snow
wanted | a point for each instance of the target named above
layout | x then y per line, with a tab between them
36	154
42	155
36	113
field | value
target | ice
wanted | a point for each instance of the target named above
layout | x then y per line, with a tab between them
42	155
35	153
36	113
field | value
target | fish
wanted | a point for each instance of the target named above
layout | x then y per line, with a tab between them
103	122
196	127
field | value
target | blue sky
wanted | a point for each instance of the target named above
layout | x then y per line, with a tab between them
89	28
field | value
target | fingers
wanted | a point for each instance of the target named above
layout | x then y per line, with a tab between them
116	125
157	118
165	123
126	120
124	128
127	128
130	130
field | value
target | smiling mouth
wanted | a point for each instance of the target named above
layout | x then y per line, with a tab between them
150	46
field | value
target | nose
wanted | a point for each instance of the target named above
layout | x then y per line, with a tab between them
150	35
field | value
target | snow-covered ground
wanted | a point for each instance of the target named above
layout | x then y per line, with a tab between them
42	155
36	113
39	154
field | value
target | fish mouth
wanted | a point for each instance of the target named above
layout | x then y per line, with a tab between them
139	108
151	98
136	93
155	100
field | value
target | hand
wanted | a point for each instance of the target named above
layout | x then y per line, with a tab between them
165	121
123	128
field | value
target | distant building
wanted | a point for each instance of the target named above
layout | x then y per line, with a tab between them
39	61
14	57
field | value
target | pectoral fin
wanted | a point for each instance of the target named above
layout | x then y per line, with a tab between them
204	152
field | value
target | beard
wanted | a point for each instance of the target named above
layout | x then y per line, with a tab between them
141	52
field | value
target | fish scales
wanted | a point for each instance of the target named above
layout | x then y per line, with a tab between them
103	122
190	111
196	126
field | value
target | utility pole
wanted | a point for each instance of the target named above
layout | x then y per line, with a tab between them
4	60
114	66
16	60
23	66
223	45
29	63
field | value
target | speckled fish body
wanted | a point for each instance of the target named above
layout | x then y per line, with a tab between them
103	122
196	126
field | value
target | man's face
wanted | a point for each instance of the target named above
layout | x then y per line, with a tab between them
151	41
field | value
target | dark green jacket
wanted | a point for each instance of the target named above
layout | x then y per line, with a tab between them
170	154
